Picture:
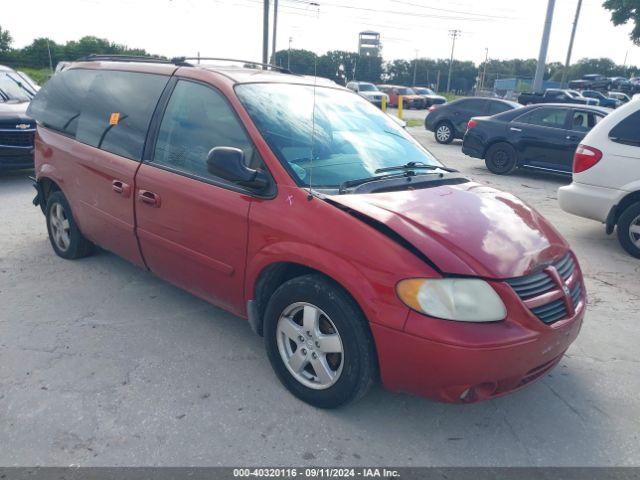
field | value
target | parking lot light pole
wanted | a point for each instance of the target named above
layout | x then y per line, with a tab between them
544	45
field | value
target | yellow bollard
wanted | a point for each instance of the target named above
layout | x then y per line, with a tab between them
400	99
383	104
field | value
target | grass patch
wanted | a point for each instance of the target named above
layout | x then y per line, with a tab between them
414	122
40	75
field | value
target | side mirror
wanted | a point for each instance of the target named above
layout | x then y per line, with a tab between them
228	164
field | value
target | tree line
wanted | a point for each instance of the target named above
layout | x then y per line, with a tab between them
338	65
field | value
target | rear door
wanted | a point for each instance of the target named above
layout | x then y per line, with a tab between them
108	112
464	110
193	226
539	135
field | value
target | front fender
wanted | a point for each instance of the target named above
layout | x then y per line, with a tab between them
371	289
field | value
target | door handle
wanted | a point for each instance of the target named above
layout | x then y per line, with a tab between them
120	187
149	198
572	137
514	129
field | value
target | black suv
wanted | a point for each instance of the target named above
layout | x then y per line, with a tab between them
16	128
449	121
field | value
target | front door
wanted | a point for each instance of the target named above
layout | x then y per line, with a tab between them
193	226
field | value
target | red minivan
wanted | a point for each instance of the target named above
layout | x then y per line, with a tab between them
296	204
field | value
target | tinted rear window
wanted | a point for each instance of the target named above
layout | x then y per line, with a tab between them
628	130
105	109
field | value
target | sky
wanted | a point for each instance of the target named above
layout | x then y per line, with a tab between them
233	28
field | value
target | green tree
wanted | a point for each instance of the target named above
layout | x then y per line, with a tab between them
5	40
623	11
300	61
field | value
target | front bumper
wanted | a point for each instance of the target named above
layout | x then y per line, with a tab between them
472	362
13	159
588	201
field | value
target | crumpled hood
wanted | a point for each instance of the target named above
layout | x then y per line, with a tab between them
466	229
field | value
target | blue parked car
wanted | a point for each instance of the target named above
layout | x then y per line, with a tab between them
606	102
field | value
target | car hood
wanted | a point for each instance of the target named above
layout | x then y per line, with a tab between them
465	229
14	113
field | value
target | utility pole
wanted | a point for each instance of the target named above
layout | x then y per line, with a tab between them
289	54
275	30
51	61
484	68
565	72
415	68
453	34
265	32
544	45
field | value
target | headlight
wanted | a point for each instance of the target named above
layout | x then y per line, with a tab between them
461	299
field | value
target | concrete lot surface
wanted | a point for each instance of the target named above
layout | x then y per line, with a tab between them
101	363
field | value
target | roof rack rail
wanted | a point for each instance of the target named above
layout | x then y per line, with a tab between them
183	61
123	58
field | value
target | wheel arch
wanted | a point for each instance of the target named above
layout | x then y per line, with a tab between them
261	285
46	186
495	142
616	211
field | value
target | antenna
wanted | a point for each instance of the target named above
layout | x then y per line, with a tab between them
313	117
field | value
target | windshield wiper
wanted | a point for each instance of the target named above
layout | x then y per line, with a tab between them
360	181
414	166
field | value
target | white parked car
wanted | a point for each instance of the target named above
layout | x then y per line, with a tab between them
369	92
606	176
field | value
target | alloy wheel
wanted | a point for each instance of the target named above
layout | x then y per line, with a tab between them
60	227
634	231
310	345
443	133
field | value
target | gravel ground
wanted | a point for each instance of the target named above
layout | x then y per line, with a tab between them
101	363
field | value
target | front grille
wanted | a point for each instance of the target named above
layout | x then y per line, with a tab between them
557	310
16	139
539	283
534	285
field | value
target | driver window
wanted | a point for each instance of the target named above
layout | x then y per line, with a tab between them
197	119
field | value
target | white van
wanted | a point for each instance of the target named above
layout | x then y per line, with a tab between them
606	176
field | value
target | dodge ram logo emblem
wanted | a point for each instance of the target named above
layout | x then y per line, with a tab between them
566	291
23	126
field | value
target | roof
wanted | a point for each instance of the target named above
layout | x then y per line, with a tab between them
238	71
595	108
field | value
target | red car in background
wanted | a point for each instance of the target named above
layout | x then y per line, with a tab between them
410	99
296	204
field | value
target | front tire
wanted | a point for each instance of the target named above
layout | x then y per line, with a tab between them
65	236
318	342
501	159
629	230
443	133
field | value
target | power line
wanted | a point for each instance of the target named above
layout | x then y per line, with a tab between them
452	11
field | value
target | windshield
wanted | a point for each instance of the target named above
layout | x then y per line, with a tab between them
405	91
424	91
352	138
11	88
573	93
367	87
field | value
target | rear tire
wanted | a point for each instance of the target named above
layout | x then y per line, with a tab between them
629	230
443	133
318	342
65	236
501	159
